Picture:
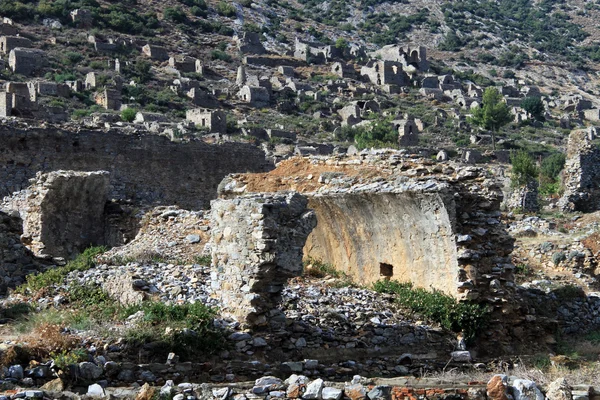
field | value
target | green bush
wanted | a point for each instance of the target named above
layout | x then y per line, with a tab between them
128	114
175	14
192	326
72	58
220	55
54	276
551	166
468	318
523	170
225	9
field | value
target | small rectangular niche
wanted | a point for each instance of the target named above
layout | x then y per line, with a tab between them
386	271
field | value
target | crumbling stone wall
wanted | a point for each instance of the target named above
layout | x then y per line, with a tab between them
16	261
62	212
581	174
144	168
256	244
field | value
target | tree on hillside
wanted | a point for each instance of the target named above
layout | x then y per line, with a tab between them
534	106
493	113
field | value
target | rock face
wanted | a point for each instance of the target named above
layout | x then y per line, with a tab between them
256	244
581	174
62	211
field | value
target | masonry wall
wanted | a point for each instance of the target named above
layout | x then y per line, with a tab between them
144	168
581	174
406	237
62	212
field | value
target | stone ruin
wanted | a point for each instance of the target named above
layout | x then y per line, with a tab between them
213	120
435	225
16	261
26	61
256	244
62	212
581	173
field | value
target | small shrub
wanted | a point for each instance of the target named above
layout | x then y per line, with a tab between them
225	9
128	114
203	260
569	292
558	257
220	55
192	326
72	58
62	359
318	269
175	14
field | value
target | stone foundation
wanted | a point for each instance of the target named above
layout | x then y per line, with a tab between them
62	212
256	244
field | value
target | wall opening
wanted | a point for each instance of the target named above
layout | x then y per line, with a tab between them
386	271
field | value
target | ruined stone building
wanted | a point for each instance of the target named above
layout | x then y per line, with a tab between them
249	43
155	52
415	56
82	18
255	96
380	72
214	120
26	61
109	99
62	211
316	53
408	131
343	70
183	63
8	43
442	233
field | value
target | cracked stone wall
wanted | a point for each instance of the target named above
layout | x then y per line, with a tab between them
62	212
581	174
146	169
256	245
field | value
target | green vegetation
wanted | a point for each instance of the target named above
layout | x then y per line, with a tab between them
550	169
225	9
534	106
175	14
493	113
468	318
391	28
523	170
538	24
192	331
54	276
128	114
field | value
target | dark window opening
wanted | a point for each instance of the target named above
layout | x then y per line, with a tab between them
386	270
